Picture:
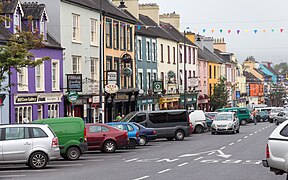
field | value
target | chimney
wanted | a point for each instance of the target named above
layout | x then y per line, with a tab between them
220	44
131	5
151	10
172	18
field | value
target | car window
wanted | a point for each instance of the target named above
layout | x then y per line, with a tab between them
95	129
105	129
130	128
119	126
158	118
1	134
242	111
14	133
140	118
223	117
284	131
180	116
38	133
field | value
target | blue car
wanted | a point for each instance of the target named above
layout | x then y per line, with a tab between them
146	134
133	132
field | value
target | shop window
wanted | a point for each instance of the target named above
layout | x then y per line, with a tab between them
23	114
53	110
116	34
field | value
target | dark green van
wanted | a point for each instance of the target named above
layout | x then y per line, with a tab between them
242	113
71	133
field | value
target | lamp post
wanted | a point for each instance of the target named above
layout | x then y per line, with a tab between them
185	73
101	119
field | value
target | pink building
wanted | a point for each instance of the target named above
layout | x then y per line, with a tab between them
203	82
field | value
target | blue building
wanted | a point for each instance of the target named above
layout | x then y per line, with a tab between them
267	71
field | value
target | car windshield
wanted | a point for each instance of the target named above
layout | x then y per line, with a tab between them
212	114
128	117
223	117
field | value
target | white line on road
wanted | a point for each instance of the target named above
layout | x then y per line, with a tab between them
13	176
263	128
25	170
231	144
198	158
183	164
255	132
245	137
143	149
144	177
251	134
239	140
95	160
166	170
132	160
211	153
65	165
259	130
222	147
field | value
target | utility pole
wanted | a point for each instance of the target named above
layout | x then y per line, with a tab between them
185	74
101	119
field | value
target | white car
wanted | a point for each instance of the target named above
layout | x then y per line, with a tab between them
225	122
277	149
274	112
198	120
31	144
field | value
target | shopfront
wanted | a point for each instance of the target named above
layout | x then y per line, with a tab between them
191	101
169	102
148	103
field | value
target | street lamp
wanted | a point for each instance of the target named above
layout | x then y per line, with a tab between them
100	67
185	73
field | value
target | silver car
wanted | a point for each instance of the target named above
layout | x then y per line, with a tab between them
281	117
32	144
273	113
276	150
225	122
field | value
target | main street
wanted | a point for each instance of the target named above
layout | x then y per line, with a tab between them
199	157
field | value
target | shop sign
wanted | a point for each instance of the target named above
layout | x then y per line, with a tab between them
193	82
26	99
122	97
93	88
111	88
74	82
171	74
127	71
126	58
95	99
157	86
72	96
112	77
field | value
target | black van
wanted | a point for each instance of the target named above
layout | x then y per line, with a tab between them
168	124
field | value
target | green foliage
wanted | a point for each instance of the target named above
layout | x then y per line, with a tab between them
220	95
277	93
281	68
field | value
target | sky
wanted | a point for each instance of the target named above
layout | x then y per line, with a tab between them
265	17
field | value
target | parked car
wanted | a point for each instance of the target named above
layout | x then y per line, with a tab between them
274	112
276	150
262	116
105	138
71	133
131	129
32	144
242	113
146	134
281	117
168	124
198	120
225	122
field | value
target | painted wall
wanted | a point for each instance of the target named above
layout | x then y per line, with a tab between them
267	72
215	75
203	76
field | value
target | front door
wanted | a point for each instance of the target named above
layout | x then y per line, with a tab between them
16	145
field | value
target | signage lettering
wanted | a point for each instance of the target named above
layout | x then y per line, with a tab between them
26	99
74	82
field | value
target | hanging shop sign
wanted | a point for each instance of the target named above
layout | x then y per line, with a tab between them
157	86
112	77
171	74
72	96
127	71
126	58
111	88
74	82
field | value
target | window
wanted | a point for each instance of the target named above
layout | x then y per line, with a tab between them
39	73
123	37
76	64
104	129
181	81
7	22
95	129
130	128
116	34
148	50
40	112
23	79
76	27
189	55
93	23
93	66
177	116
242	111
109	63
140	80
129	38
162	54
154	52
119	126
140	118
168	49
14	133
38	133
34	26
55	75
174	55
284	131
17	21
23	114
53	110
210	71
181	55
149	80
108	33
162	76
139	49
155	76
190	74
194	74
157	118
43	28
214	72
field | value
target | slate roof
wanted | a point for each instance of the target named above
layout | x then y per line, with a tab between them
272	70
250	78
9	6
33	9
223	57
208	55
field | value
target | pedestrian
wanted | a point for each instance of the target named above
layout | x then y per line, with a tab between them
254	114
118	118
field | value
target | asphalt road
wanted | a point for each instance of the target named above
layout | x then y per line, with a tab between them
199	157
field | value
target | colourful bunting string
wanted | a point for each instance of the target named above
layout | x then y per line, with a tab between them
229	31
238	31
255	31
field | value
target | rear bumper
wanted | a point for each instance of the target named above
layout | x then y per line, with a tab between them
151	137
122	143
265	163
54	154
83	147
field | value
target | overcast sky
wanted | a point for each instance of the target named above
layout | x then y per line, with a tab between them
236	15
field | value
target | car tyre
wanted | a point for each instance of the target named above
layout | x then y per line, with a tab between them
238	130
212	132
243	122
109	147
38	160
198	129
276	122
143	141
170	138
132	144
179	135
73	153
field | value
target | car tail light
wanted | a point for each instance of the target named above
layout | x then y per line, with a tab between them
85	134
55	142
267	152
154	132
137	134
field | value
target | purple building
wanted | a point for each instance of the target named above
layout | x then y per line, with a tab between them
37	92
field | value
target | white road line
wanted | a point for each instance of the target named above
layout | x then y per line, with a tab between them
198	158
155	146
239	140
143	149
255	132
144	177
132	160
222	147
166	170
251	134
65	165
95	160
245	137
263	128
97	156
12	176
259	130
183	164
211	153
231	144
25	170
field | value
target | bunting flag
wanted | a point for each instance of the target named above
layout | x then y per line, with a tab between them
281	30
272	30
204	30
139	27
255	31
238	31
246	30
221	30
264	30
212	30
229	31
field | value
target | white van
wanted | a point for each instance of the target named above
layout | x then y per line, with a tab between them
198	120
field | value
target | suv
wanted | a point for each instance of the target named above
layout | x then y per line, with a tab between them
168	124
242	113
34	145
225	122
276	150
71	132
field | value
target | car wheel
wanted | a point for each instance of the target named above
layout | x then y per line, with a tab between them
243	122
276	122
132	144
38	160
73	153
109	147
179	135
198	129
170	138
212	132
238	130
143	141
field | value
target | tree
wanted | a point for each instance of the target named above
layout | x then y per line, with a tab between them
281	68
277	94
220	95
16	53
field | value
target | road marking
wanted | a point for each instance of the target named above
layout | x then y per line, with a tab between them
12	176
259	130
155	146
245	137
25	170
222	148
132	160
231	144
239	140
198	158
180	165
143	149
263	128
96	160
167	160
144	177
255	132
251	134
211	153
66	165
166	170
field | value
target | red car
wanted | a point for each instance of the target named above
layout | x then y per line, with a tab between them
105	138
